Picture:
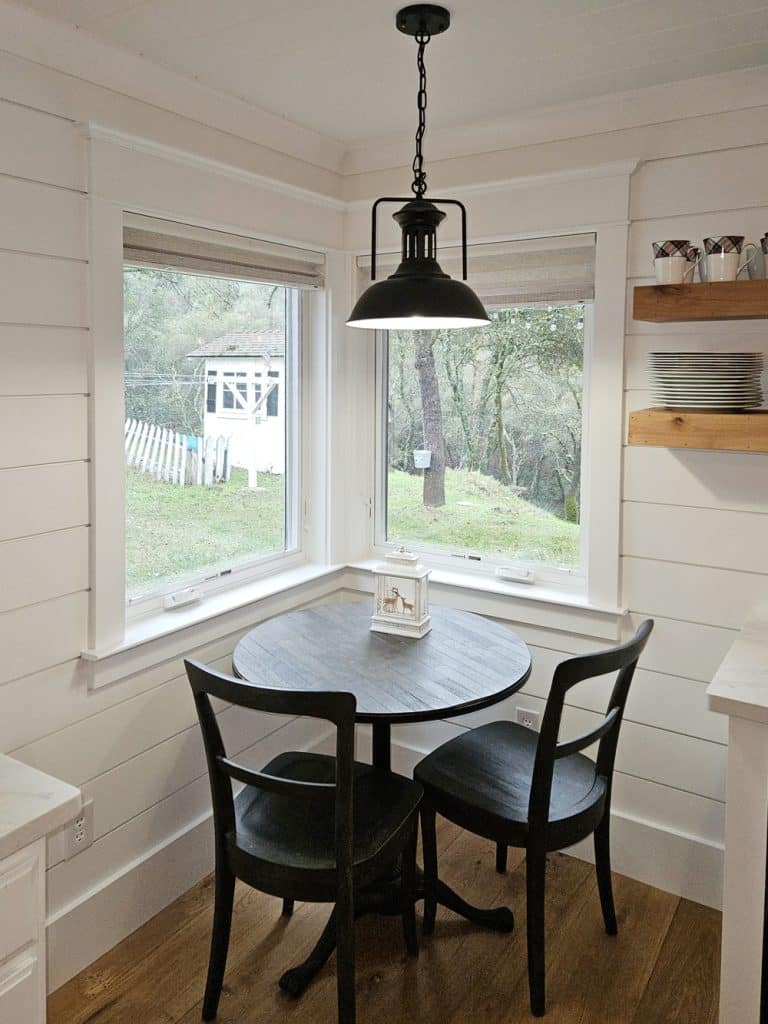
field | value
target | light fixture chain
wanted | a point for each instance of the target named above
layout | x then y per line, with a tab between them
419	185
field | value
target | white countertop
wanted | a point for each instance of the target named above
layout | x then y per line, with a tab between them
740	686
32	805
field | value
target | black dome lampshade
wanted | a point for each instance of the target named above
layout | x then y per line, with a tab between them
419	295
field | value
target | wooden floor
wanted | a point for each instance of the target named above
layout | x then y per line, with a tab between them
663	966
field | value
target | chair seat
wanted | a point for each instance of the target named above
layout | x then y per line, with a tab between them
298	835
482	781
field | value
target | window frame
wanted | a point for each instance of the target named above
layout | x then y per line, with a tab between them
551	576
597	584
111	627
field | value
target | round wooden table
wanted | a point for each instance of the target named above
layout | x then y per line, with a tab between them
465	663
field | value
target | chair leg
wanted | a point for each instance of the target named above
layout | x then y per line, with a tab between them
603	868
287	908
408	892
345	952
222	920
429	842
501	858
535	866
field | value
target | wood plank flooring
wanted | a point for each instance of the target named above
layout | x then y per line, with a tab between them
663	966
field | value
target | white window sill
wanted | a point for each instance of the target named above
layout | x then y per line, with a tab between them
535	605
164	635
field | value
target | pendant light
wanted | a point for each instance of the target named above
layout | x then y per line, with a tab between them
419	295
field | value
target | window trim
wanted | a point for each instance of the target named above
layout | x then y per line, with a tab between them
110	622
598	584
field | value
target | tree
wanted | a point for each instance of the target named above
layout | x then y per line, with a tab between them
432	416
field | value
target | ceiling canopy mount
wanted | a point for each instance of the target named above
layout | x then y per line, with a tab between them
423	20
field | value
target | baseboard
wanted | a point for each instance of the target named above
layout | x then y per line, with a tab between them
85	930
686	865
103	916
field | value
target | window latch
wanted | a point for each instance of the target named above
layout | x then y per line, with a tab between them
189	595
512	574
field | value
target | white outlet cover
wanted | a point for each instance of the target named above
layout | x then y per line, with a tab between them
78	835
530	719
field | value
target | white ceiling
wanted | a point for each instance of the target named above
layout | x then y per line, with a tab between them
342	69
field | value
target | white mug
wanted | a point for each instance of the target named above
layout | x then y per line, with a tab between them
724	266
673	269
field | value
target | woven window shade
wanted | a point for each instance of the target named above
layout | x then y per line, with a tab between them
527	272
167	245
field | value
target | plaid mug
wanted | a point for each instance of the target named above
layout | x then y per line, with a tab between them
726	243
672	247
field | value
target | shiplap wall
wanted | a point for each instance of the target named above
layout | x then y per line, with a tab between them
694	556
693	546
134	748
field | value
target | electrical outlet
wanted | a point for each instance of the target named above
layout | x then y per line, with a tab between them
530	719
79	833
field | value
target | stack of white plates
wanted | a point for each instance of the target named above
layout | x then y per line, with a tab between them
707	380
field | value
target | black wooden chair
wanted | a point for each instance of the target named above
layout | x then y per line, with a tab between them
307	827
506	783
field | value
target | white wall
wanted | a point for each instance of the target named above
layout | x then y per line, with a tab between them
134	747
693	528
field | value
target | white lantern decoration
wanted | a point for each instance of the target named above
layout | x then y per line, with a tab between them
401	596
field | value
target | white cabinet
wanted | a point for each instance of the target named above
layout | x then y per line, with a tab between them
32	805
22	936
740	690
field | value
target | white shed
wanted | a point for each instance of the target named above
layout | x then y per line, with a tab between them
245	396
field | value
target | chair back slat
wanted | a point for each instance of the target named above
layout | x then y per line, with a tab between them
274	783
621	659
564	748
336	707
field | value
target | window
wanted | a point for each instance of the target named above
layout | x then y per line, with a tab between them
209	490
482	447
210	392
228	392
273	400
234	394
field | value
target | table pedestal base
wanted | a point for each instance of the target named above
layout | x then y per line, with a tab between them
384	898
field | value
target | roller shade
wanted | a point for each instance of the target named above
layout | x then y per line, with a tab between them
163	244
524	272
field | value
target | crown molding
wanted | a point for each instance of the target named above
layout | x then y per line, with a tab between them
616	169
100	133
78	53
653	105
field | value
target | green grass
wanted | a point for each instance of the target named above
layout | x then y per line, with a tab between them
481	516
172	532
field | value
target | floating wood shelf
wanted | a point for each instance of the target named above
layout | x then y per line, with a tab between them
691	428
724	300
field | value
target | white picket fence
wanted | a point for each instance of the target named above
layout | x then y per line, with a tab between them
181	459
